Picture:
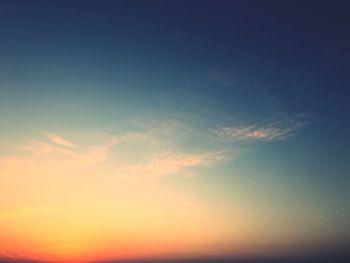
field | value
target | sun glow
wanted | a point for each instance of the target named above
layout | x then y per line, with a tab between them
77	203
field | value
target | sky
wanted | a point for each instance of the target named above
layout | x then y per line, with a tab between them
174	129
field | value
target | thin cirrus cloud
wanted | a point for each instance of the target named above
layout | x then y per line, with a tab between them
149	151
74	153
273	130
8	254
59	140
167	163
161	158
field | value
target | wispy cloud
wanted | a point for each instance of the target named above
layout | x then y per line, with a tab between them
169	163
8	254
159	160
154	150
277	129
59	140
71	152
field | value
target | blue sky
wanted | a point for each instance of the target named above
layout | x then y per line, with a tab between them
242	104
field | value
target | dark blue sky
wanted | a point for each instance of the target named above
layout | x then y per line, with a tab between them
298	52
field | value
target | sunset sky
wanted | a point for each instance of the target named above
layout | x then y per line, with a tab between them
174	129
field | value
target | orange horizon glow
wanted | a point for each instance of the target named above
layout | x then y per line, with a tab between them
68	200
72	202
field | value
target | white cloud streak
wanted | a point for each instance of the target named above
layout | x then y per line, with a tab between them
278	129
170	163
71	152
151	151
160	160
59	140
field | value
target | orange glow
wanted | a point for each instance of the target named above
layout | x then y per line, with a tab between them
59	204
66	202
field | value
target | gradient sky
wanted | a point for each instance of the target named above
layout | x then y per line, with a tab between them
173	129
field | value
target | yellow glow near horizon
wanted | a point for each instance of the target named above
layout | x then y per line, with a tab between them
63	201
